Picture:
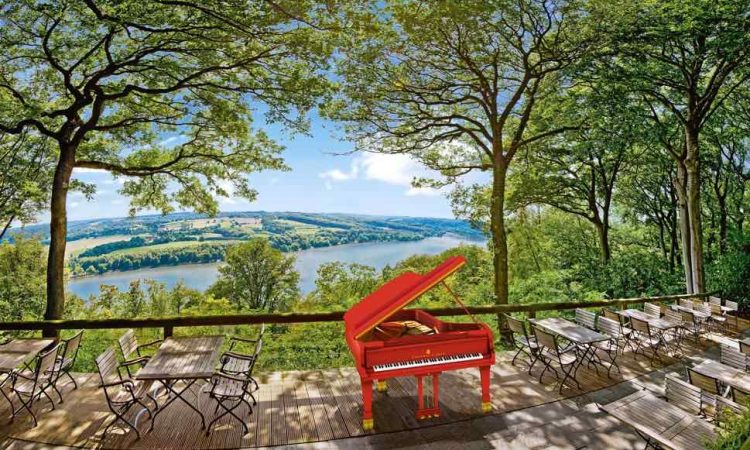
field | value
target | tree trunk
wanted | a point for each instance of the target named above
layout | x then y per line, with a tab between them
7	227
58	237
602	230
682	215
722	224
693	207
499	244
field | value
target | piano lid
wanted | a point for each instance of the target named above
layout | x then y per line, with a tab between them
395	295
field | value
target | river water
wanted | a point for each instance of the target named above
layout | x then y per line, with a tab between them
200	276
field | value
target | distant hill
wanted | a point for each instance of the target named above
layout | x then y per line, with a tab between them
103	245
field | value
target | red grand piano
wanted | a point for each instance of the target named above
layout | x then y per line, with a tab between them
388	341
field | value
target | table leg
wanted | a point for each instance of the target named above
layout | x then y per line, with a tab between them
175	394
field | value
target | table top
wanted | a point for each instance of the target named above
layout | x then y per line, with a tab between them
698	314
726	374
18	351
571	331
182	358
661	421
659	323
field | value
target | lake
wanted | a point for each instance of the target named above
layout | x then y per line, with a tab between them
200	276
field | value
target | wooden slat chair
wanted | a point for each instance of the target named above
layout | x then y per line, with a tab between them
235	340
733	357
611	347
237	364
692	324
714	300
122	393
586	318
741	397
551	354
522	341
652	310
686	303
744	348
685	395
711	387
678	334
66	360
718	317
29	386
645	338
610	314
734	319
229	392
131	350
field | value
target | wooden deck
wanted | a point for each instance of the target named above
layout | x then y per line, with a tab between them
324	407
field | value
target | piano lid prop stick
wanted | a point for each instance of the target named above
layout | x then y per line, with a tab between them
459	301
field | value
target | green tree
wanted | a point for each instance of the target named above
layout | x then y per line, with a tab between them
257	277
683	59
457	86
104	81
21	280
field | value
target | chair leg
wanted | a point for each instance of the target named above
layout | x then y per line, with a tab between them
59	394
75	385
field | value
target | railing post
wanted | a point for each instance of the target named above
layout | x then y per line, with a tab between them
168	331
532	314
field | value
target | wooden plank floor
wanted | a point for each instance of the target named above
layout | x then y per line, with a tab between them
302	407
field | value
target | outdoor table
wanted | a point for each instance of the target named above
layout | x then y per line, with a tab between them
576	334
697	314
18	352
186	359
658	421
730	376
661	325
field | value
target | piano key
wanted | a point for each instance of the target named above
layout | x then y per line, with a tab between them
426	362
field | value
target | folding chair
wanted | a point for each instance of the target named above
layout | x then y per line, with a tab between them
66	360
234	340
129	346
692	324
30	386
550	353
708	384
586	318
741	397
652	310
718	317
229	392
122	393
612	346
521	340
733	357
744	348
686	303
677	333
646	339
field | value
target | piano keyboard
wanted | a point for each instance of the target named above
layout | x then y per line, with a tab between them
426	362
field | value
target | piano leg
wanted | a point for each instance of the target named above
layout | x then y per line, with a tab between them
381	386
484	374
424	412
367	421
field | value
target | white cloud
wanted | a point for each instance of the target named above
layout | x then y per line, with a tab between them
88	170
397	170
74	204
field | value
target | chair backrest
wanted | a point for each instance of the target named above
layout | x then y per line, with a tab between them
673	316
128	344
687	316
258	348
715	309
516	326
744	348
705	383
686	303
106	364
45	365
641	326
545	339
71	346
586	318
652	310
703	308
732	305
609	327
683	395
733	357
262	331
609	314
714	300
741	397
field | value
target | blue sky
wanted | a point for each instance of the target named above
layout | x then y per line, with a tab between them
321	180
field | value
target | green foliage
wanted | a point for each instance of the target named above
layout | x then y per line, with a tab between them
730	272
22	280
257	277
734	433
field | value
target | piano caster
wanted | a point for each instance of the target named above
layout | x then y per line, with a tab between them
486	407
368	424
428	413
381	386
